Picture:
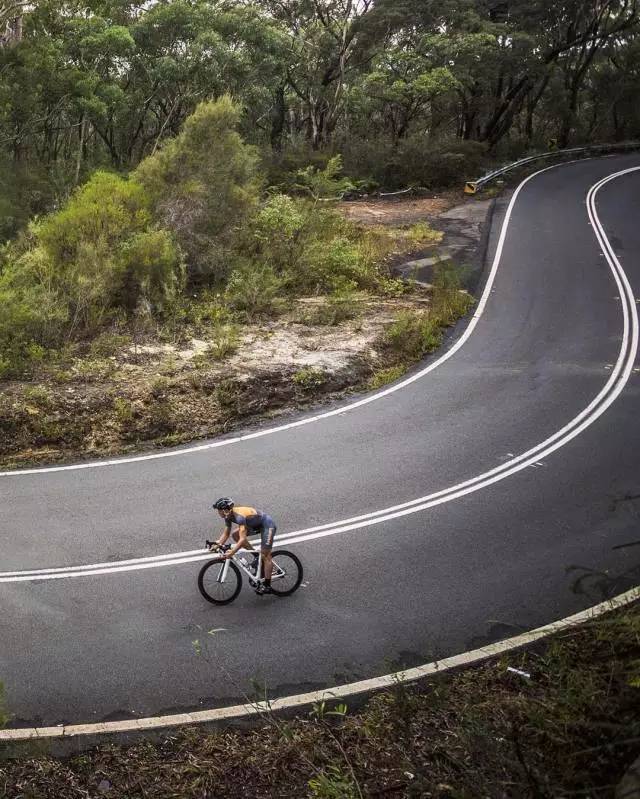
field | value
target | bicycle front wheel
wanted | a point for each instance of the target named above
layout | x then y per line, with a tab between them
219	581
287	573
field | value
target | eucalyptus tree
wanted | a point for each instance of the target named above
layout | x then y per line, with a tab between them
329	41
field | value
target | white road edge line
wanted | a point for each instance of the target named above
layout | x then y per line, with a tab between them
222	714
337	411
613	387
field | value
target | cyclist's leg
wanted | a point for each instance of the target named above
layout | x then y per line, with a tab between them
266	545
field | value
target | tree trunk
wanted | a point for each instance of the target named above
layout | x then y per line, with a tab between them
532	103
278	121
80	150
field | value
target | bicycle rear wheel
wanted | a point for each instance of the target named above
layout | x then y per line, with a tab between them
287	573
219	581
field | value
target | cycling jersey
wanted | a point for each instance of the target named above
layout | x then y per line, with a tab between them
256	521
251	518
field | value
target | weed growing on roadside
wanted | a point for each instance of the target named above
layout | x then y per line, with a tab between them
332	312
227	394
90	369
225	342
413	335
333	783
38	395
160	386
123	410
309	378
384	376
422	233
109	343
449	301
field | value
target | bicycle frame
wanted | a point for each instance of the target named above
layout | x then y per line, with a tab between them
257	577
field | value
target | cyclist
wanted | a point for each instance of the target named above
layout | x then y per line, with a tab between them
248	520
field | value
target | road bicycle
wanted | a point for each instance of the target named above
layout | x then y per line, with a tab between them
220	579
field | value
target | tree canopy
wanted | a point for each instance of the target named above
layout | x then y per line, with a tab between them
103	82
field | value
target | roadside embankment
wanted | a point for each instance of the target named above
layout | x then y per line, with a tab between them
559	719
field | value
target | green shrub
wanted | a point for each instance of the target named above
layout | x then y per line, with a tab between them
311	248
203	185
309	378
80	264
384	376
333	783
210	310
225	342
38	395
123	410
253	288
109	343
339	307
449	301
153	270
106	211
324	183
423	233
331	259
417	160
277	231
413	335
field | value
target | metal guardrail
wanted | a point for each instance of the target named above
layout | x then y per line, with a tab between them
472	186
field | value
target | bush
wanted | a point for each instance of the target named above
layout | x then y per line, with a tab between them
324	183
225	342
27	190
416	161
123	410
312	249
31	314
448	302
277	231
81	263
203	185
334	253
384	376
309	378
413	335
153	270
253	288
109	343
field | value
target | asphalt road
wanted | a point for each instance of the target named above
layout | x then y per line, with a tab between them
542	543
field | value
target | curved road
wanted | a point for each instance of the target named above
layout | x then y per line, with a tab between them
550	539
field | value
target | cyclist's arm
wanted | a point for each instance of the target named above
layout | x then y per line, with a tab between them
224	535
243	540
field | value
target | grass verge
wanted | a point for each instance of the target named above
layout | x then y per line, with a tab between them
565	723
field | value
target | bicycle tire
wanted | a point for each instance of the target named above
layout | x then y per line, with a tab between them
284	555
210	597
